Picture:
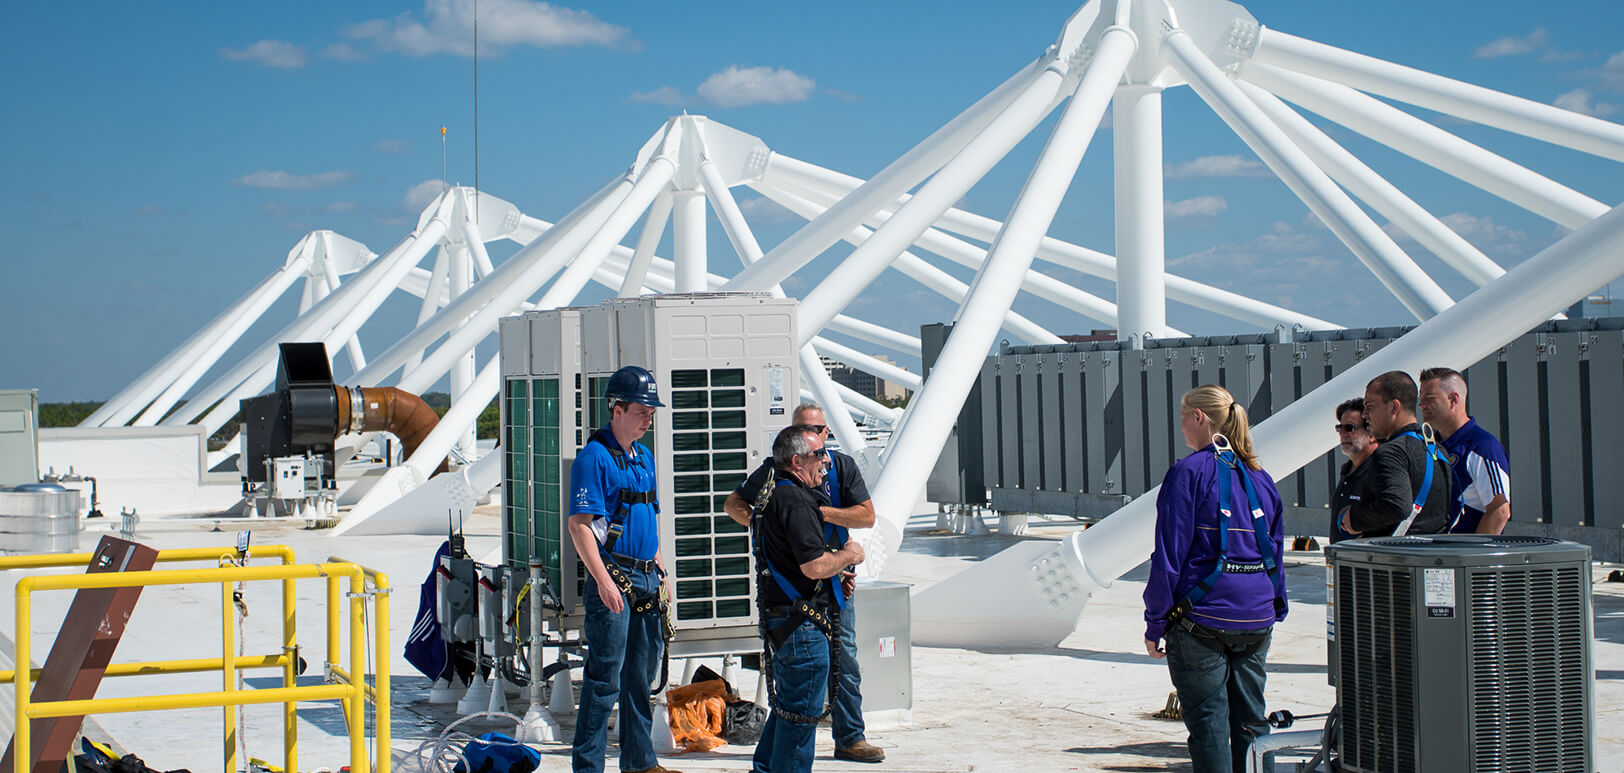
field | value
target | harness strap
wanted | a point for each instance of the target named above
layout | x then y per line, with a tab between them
624	498
825	618
1260	529
1433	457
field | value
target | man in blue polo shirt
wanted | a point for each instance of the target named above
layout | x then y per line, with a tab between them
849	507
614	525
1482	470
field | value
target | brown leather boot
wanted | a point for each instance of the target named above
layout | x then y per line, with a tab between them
861	751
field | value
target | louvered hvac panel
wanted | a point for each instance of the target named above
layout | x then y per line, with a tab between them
1478	645
726	368
542	428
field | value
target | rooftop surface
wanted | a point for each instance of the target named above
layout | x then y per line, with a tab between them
1084	705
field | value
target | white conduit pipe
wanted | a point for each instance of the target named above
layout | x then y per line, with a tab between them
1031	595
1396	271
914	451
1382	196
948	185
801	176
897	177
140	392
527	270
914	267
1430	145
647	241
1445	95
965	254
352	309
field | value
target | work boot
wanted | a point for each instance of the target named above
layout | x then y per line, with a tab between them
658	768
860	751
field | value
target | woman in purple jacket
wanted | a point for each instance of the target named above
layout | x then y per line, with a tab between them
1217	583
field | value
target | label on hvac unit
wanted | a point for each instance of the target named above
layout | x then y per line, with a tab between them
1438	592
888	646
775	386
1330	603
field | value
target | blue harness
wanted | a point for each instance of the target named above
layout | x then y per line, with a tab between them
623	498
1269	564
1433	456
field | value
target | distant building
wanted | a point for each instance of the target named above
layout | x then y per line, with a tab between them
862	382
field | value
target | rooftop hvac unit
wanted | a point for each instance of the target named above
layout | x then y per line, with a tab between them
1463	653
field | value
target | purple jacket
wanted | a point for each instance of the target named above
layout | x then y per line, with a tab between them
1187	548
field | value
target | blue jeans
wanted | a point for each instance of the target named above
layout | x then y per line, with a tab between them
801	678
1221	698
622	662
848	711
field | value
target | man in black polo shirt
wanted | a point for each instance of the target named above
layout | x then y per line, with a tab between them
796	597
1356	442
1396	496
849	507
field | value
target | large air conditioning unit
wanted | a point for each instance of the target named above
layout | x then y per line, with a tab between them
1463	653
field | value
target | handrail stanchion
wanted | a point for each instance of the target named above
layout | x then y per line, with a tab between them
381	691
290	679
21	751
357	673
228	674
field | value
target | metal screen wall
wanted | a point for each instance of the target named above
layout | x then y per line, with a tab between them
1080	429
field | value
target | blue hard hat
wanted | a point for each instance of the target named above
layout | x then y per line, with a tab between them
633	385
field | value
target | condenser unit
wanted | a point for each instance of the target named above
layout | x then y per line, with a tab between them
1463	653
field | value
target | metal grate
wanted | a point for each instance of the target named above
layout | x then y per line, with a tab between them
709	459
516	490
1527	670
1376	656
547	473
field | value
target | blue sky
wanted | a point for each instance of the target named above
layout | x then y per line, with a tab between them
165	157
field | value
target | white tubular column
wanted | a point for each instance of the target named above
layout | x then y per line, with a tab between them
1032	595
1445	95
727	211
947	186
801	176
358	358
917	268
1141	259
464	413
462	373
688	239
647	241
827	393
431	300
1396	271
517	278
897	177
913	452
1431	145
1382	196
875	334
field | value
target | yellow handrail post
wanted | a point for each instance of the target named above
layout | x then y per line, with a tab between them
357	671
228	674
381	680
290	679
20	748
333	625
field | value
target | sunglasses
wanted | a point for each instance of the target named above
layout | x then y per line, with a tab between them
818	428
1351	427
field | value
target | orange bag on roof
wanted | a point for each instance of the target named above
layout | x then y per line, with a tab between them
696	714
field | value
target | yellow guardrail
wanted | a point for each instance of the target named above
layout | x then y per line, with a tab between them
364	584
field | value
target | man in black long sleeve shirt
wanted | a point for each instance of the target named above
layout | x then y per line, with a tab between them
1398	466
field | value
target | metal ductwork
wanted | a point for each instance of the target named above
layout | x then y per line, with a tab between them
387	409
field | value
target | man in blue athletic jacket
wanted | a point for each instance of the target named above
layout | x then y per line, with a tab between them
1482	477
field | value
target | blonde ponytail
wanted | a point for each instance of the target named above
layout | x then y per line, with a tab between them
1227	417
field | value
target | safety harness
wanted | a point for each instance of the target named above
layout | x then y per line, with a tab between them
824	617
1433	457
657	601
1268	562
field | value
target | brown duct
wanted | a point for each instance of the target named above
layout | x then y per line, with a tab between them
388	409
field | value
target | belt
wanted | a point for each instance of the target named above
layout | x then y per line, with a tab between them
633	563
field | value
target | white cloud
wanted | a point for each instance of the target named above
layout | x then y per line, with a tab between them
283	181
1217	166
447	27
1580	101
392	145
761	209
343	52
1512	46
271	53
669	96
1612	72
418	196
1487	235
1200	205
340	207
738	86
